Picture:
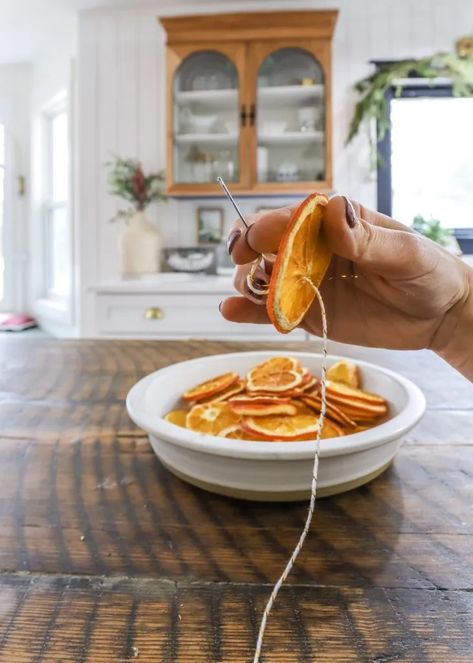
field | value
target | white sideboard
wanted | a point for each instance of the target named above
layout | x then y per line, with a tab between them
172	306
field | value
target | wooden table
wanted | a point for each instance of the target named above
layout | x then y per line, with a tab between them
106	557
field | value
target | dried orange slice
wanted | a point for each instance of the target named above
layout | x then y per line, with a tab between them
332	411
331	429
237	433
365	414
358	396
275	427
275	375
360	412
176	417
276	364
310	384
345	372
302	260
212	418
226	394
274	382
210	387
262	399
262	410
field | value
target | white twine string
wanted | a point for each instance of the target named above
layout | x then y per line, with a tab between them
315	471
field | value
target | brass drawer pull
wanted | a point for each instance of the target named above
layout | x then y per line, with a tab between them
154	313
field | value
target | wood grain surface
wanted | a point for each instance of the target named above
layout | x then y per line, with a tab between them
106	557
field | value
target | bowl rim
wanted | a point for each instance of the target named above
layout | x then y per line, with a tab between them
392	429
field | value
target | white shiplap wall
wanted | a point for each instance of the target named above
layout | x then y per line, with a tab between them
121	97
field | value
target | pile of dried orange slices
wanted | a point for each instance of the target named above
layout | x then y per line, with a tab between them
280	400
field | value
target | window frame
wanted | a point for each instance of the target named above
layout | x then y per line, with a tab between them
10	298
56	306
411	88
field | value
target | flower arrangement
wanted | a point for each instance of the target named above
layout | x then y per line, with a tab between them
126	179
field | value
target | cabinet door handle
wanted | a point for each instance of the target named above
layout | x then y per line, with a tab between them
252	114
243	116
154	313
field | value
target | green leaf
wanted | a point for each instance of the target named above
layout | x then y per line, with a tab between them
373	88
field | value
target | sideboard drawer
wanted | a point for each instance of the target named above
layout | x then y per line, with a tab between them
157	315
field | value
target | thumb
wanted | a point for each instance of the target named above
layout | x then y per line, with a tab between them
374	241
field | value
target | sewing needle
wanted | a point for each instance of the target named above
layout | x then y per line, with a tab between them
230	197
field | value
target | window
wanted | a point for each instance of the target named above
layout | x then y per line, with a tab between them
57	256
2	210
426	166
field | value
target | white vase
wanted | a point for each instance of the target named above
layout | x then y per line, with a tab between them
139	247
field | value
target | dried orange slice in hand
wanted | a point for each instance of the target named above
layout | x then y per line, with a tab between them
212	418
302	260
291	428
210	387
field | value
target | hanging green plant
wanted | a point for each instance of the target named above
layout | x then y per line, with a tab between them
373	104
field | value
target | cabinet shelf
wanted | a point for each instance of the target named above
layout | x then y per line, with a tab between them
291	138
208	98
206	139
288	95
291	95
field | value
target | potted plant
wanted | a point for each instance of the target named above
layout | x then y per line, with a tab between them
433	229
140	242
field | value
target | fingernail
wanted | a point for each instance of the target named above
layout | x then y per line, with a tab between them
349	213
247	232
232	240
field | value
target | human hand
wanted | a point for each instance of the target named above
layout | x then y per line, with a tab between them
386	286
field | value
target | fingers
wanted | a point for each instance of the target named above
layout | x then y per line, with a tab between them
241	309
378	219
263	235
376	243
259	280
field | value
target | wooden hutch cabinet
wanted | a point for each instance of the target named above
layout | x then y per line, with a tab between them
249	98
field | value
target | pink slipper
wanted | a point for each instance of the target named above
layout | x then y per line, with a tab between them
17	322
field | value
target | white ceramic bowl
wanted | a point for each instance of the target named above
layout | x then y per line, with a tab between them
271	471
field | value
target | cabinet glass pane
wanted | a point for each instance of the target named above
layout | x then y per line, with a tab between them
290	118
206	119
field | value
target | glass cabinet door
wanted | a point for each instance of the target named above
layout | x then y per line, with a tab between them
290	118
206	119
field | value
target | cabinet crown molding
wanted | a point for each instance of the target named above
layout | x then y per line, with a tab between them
250	25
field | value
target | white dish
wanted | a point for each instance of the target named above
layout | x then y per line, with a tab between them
270	471
271	127
198	123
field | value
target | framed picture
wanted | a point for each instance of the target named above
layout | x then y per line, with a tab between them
209	225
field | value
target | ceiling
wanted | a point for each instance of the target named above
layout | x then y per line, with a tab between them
27	26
